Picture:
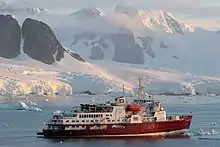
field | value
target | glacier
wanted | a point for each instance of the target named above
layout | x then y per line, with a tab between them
11	86
34	78
174	49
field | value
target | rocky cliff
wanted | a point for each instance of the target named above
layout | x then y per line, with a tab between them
10	37
126	50
40	43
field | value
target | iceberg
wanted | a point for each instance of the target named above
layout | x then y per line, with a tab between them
20	105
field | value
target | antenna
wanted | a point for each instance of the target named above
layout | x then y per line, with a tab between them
123	90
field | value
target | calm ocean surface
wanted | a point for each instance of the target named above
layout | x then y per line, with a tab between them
19	128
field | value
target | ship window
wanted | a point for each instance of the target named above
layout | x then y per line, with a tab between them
113	120
87	120
96	115
90	116
92	120
106	114
96	121
121	100
67	120
135	118
110	115
108	120
77	121
74	115
55	120
83	120
73	120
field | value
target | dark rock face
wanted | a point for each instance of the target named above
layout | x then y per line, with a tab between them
146	43
125	48
10	37
97	50
40	43
97	53
76	56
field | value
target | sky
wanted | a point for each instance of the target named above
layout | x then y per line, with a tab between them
195	12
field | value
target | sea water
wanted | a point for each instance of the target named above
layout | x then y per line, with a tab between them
18	128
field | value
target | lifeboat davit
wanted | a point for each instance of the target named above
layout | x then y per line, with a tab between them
133	108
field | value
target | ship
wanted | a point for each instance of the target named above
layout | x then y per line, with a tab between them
142	117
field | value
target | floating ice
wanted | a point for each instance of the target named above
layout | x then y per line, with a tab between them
20	105
203	133
213	123
57	112
29	106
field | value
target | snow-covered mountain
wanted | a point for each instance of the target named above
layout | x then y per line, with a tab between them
88	13
156	20
153	44
154	38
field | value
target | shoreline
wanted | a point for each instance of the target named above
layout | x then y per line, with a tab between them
9	99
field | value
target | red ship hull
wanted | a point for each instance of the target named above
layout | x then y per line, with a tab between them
150	129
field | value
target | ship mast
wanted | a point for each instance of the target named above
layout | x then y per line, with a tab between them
123	90
139	89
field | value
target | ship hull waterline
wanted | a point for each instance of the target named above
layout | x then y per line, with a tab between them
147	129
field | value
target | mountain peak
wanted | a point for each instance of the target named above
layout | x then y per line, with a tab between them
157	20
88	12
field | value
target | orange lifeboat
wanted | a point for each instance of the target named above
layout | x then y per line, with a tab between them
133	108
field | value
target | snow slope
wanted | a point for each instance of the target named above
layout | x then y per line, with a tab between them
159	81
27	76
